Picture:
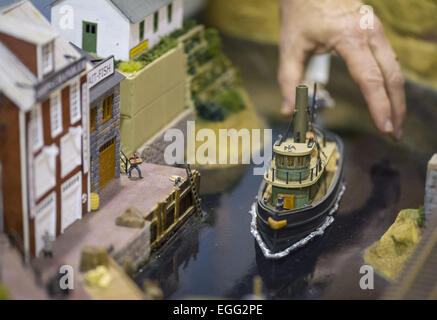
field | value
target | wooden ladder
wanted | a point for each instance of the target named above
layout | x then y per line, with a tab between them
193	188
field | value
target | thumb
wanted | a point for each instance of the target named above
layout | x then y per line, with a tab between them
291	69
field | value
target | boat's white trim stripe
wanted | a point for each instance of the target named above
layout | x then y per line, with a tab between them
318	232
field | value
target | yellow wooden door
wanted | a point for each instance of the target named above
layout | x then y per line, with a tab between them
107	163
288	201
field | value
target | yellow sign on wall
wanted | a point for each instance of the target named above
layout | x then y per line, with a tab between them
139	48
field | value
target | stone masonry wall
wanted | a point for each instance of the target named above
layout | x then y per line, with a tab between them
431	188
103	133
153	150
137	251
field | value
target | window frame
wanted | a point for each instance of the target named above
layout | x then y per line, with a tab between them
156	22
75	116
69	143
107	105
56	107
47	58
45	181
170	13
142	28
37	128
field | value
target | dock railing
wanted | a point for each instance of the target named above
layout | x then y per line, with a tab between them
173	210
124	162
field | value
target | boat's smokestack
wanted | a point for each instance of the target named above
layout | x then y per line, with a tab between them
301	114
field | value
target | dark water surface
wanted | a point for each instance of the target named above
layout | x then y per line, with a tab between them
218	257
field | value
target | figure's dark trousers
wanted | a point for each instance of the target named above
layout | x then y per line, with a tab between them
138	169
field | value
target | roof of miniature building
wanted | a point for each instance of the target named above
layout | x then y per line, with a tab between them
16	81
27	32
105	85
135	10
4	4
29	15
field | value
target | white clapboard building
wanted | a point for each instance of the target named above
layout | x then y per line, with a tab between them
44	140
122	28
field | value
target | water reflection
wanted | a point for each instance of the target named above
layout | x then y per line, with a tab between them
292	275
174	256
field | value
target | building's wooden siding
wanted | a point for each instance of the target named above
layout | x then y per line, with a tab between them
25	51
10	159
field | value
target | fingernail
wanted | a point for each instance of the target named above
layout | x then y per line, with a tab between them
388	128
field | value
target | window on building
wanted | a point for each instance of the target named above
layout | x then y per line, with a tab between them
141	31
47	58
93	115
45	170
170	12
37	128
56	114
107	109
155	21
75	114
71	150
300	161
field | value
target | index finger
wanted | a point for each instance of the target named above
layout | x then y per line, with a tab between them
366	72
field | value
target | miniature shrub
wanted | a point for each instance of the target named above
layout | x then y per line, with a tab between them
231	100
209	110
214	42
165	45
187	26
421	217
202	56
192	70
117	63
130	66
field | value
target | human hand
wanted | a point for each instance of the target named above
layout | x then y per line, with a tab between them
318	26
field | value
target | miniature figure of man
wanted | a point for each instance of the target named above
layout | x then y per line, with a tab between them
48	245
134	161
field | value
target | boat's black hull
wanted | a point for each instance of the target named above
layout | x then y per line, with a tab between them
303	221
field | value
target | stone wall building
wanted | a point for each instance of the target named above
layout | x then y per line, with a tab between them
105	130
104	83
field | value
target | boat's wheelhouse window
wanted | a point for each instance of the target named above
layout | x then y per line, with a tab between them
280	159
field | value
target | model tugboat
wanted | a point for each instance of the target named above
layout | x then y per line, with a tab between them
301	187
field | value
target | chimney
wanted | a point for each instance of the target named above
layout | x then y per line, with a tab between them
301	114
